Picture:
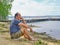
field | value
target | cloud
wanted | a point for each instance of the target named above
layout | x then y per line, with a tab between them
36	7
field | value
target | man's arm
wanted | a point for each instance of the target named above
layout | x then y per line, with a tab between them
26	26
23	19
30	29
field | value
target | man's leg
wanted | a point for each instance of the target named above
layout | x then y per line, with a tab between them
26	34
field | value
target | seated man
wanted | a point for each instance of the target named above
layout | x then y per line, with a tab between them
16	29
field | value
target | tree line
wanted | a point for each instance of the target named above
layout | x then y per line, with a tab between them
5	8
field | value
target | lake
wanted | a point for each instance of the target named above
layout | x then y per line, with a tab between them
50	27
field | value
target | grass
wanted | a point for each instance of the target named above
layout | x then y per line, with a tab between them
39	42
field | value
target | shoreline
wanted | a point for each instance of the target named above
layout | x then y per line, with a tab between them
42	38
35	20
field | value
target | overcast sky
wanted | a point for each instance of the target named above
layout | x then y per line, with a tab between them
36	7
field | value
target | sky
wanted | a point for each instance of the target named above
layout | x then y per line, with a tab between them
36	7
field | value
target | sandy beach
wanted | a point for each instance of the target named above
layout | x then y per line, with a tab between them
42	38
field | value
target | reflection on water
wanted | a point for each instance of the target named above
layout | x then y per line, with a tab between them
50	27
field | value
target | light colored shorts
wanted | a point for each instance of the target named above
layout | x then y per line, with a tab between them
16	35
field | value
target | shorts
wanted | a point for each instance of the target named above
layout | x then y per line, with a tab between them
16	35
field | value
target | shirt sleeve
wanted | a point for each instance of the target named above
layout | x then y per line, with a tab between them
16	22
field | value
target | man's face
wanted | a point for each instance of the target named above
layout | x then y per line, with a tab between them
18	16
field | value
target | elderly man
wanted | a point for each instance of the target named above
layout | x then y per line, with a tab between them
16	29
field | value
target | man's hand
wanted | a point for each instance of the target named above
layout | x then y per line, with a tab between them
31	29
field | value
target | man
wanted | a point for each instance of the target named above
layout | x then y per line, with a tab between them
16	29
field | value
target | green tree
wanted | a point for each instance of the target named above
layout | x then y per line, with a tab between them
5	7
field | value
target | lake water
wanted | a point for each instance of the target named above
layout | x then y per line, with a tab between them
50	27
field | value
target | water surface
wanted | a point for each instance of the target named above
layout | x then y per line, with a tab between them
50	27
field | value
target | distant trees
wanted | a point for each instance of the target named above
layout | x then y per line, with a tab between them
5	7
